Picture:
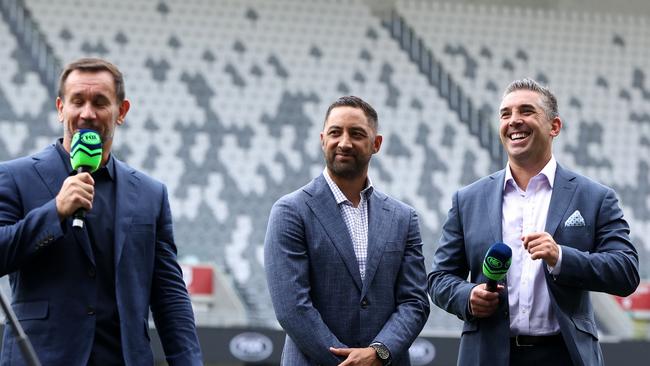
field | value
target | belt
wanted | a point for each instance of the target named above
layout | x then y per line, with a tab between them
528	340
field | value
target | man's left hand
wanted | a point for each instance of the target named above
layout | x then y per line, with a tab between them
357	356
542	246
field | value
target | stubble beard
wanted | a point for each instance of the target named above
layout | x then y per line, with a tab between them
349	170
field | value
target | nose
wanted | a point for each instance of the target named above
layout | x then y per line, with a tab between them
87	112
344	142
515	119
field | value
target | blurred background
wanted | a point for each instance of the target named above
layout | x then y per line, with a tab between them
228	99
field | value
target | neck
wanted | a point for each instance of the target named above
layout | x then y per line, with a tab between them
523	172
351	187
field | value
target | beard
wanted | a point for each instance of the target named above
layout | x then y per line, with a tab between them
351	169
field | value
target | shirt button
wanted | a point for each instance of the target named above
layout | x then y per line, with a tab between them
90	310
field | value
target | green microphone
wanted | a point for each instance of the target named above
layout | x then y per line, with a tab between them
496	263
85	157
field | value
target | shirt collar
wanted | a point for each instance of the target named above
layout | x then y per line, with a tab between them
109	167
548	171
338	194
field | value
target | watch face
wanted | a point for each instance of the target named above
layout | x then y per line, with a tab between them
381	350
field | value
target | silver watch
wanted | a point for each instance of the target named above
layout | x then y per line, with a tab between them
382	352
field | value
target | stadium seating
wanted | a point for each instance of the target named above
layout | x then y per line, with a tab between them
228	102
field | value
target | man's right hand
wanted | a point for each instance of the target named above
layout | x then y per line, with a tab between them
483	303
76	192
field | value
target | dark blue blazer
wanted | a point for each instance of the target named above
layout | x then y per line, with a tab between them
595	257
50	267
315	283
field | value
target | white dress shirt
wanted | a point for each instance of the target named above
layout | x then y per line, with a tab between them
525	212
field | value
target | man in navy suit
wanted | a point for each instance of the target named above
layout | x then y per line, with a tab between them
568	237
344	261
83	295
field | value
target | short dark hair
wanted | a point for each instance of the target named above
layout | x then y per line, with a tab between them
548	99
94	65
356	102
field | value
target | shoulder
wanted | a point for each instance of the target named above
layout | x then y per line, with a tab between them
478	187
47	153
143	179
583	182
399	206
302	194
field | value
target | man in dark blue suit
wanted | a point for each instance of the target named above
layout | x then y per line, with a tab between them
83	295
568	237
344	261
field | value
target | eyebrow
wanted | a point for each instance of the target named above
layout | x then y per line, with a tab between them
520	107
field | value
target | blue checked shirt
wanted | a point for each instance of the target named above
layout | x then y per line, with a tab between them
356	219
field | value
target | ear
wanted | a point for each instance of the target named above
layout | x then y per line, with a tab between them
556	126
376	145
322	141
59	109
124	109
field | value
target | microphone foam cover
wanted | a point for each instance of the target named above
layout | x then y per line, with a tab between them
497	261
86	150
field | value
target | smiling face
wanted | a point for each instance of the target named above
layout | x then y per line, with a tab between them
89	101
526	130
348	142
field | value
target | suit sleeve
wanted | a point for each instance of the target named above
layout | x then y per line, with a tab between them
406	323
286	263
170	302
612	265
23	235
448	285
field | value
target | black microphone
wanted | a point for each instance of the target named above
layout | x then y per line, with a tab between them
496	263
85	156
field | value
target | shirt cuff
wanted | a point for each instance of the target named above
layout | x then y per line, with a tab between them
558	266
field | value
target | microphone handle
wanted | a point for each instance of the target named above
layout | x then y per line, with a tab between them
492	285
79	216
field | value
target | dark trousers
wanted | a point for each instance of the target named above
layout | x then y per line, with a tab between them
551	353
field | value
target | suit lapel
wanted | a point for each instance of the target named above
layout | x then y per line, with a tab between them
494	196
53	172
563	189
324	207
126	194
51	169
380	216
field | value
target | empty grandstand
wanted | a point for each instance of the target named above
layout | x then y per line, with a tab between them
228	98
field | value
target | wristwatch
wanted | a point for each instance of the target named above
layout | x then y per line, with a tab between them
382	352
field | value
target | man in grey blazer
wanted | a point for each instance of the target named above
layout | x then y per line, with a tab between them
344	261
567	235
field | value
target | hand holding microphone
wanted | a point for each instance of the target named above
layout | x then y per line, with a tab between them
76	194
484	298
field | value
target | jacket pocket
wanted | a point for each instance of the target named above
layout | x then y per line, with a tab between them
585	325
394	246
31	310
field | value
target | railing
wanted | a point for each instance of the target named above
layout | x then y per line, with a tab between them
478	123
33	42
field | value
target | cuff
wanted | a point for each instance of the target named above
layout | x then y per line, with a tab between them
558	266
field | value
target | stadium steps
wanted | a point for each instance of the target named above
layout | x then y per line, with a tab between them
441	80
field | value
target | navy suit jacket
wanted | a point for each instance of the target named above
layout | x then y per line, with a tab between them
595	257
315	283
50	265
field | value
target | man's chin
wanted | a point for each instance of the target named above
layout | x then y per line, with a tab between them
344	171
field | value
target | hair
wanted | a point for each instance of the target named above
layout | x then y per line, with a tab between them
94	65
356	102
549	102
